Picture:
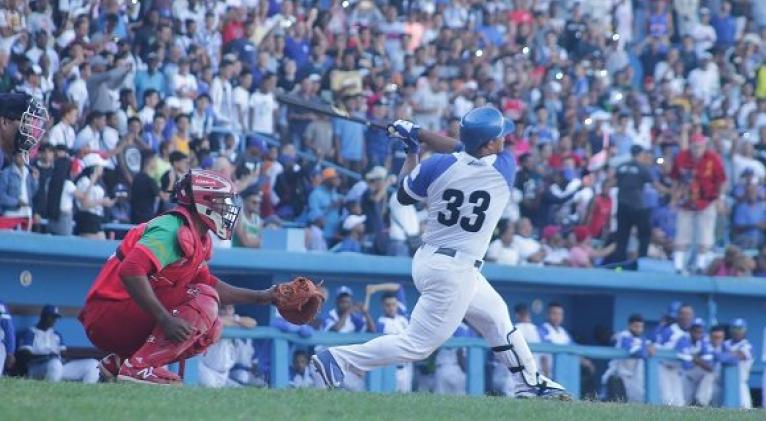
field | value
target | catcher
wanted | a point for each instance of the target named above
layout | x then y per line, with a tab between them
22	123
155	301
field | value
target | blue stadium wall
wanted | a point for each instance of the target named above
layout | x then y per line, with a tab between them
38	269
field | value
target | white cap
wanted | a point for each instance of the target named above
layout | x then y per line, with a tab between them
471	84
376	173
352	221
93	160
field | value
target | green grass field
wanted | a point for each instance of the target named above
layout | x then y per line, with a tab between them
29	400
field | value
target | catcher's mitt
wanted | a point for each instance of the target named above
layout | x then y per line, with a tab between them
299	300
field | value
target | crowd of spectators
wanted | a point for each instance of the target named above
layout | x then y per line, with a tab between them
640	125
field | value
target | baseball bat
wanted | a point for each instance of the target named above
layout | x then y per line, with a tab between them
326	109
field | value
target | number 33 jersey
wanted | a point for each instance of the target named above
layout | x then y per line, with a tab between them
465	197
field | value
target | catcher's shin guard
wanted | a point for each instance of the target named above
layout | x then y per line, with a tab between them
520	361
201	311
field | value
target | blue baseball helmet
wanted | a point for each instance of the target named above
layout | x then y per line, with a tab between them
482	125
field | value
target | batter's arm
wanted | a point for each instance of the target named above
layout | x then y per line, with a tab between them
438	142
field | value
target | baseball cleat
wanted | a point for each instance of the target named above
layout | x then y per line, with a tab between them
328	369
147	375
109	367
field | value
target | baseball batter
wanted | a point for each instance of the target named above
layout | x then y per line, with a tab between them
465	192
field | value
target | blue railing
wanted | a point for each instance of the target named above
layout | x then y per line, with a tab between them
566	360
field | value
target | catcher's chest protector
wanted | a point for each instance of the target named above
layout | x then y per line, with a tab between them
195	252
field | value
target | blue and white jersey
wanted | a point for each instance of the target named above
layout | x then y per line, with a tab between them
354	322
702	349
41	343
391	325
745	348
465	197
554	334
674	338
7	331
637	346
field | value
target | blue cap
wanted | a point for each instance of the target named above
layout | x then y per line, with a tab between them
673	309
50	310
255	141
739	323
344	290
482	125
698	322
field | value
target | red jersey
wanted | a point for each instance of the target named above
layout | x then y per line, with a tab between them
178	256
702	178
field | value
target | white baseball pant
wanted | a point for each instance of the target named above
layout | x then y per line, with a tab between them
698	386
671	386
449	379
404	378
451	289
54	370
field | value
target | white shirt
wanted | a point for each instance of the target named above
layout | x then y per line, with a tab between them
146	115
241	97
262	107
222	98
526	247
529	331
95	194
88	138
62	134
465	197
745	365
741	163
78	93
704	37
502	254
183	84
67	197
705	84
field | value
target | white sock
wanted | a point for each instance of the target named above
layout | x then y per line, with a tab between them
679	260
703	260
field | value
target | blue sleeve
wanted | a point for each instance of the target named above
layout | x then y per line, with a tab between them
506	166
358	321
380	327
417	183
328	322
285	326
6	200
6	324
543	333
315	210
26	340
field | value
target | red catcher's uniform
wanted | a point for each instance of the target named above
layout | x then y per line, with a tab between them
179	276
703	178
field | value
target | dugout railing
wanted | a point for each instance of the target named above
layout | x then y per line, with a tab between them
566	359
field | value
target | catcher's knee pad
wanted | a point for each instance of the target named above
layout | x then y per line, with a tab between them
201	310
203	341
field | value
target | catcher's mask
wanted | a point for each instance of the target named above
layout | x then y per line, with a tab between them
213	197
32	116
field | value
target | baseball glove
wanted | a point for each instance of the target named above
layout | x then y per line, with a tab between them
299	300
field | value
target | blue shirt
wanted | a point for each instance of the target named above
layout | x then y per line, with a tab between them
351	138
145	80
349	244
749	214
320	200
725	29
378	146
637	346
298	50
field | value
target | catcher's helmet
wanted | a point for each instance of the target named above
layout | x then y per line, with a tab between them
482	125
213	197
32	116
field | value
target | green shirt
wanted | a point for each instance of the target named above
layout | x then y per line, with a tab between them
160	237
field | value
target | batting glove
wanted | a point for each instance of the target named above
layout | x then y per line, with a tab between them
408	131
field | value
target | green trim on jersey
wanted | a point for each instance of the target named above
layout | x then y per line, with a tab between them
161	238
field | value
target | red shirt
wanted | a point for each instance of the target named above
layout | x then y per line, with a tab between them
702	178
601	212
233	30
556	160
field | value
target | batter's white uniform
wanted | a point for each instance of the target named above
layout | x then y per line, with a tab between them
744	366
502	380
394	326
465	197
